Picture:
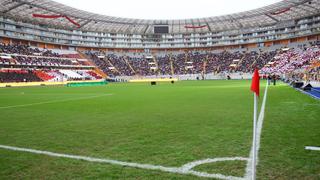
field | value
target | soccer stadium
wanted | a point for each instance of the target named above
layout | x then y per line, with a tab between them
89	95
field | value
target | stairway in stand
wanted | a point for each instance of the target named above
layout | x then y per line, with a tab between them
96	69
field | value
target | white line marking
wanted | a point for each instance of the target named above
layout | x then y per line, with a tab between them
185	169
193	164
259	129
312	148
53	101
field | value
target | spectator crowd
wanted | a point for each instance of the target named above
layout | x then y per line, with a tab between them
281	61
193	62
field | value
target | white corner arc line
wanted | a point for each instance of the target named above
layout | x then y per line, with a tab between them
313	148
185	169
259	129
189	166
53	101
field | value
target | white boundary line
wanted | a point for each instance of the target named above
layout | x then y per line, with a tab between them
259	129
53	101
312	148
185	169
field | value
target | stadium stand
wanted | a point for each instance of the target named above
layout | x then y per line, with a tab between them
181	63
47	65
290	60
43	75
129	49
69	74
284	60
18	76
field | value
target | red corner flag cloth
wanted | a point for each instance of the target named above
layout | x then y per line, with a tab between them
255	84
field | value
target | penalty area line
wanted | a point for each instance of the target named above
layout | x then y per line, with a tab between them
53	101
185	169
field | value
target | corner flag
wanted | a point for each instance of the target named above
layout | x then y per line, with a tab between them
255	87
255	84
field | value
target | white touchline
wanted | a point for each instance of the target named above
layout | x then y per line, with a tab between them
312	148
53	101
184	169
259	129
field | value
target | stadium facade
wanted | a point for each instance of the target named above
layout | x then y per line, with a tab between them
42	40
48	24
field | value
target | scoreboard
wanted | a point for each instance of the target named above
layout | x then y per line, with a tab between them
161	29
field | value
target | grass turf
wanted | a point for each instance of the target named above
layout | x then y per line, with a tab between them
167	124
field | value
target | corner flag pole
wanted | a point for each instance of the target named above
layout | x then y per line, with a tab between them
255	87
254	158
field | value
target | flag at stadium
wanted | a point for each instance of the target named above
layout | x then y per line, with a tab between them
255	84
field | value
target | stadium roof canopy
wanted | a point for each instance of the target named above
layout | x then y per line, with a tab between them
281	12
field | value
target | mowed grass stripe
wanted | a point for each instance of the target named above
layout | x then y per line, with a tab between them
53	101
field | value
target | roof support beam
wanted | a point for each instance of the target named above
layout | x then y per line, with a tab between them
208	27
269	16
236	21
85	23
304	3
14	7
145	30
193	29
126	29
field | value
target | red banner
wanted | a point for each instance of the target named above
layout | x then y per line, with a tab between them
280	11
72	21
46	16
55	17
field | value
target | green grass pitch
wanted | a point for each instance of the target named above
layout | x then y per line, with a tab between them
167	124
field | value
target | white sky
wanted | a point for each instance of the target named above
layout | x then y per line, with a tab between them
166	9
